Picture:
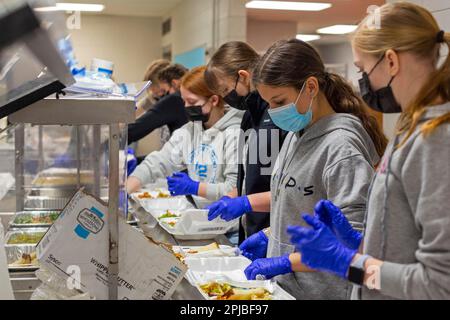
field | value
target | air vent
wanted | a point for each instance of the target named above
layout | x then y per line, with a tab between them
167	26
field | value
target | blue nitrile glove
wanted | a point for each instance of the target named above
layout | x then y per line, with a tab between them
334	219
269	268
180	184
229	209
255	247
131	161
64	161
320	248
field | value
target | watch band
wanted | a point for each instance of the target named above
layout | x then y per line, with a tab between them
356	271
359	263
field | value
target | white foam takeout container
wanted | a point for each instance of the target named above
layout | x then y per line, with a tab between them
223	251
229	270
194	225
156	206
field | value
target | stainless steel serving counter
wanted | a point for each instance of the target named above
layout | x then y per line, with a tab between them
185	291
24	283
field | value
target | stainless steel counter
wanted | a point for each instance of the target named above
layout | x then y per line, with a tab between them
185	291
24	283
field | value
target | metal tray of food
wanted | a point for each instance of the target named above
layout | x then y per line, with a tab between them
45	203
24	237
34	219
59	177
20	247
53	192
21	258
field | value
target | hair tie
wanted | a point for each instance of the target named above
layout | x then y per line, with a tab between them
441	36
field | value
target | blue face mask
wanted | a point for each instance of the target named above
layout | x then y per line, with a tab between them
289	119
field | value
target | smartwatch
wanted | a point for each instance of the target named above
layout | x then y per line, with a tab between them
356	272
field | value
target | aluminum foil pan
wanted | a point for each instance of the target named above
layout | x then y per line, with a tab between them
34	219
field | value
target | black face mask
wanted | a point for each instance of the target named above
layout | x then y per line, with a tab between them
235	100
382	100
195	113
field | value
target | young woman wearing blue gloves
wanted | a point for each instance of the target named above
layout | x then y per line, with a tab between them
206	148
330	152
406	247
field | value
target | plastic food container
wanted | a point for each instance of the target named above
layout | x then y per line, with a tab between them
229	270
194	225
157	204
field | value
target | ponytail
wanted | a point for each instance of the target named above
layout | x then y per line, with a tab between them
343	99
438	87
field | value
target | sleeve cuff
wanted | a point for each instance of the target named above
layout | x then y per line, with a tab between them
141	173
391	276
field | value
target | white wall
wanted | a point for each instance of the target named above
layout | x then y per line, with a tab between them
191	26
262	34
340	54
208	23
130	42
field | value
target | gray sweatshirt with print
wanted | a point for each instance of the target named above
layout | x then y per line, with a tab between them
334	159
408	218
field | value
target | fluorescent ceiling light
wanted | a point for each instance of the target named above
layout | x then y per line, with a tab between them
308	37
338	29
287	5
82	7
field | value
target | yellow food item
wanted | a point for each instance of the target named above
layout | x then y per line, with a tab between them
145	195
160	195
224	291
210	247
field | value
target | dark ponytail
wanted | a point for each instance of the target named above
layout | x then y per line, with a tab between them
304	62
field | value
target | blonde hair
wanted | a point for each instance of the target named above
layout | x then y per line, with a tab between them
154	69
406	27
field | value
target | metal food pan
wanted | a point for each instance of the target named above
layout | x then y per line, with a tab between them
45	203
16	224
53	192
10	234
15	252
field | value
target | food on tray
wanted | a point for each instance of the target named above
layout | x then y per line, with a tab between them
43	218
26	260
145	195
210	247
26	238
225	291
171	223
169	214
160	194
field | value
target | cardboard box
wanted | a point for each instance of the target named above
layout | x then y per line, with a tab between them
76	247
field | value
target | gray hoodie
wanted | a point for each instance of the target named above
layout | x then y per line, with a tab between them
408	218
210	156
333	159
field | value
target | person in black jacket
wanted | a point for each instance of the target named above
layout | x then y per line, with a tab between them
229	74
168	111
